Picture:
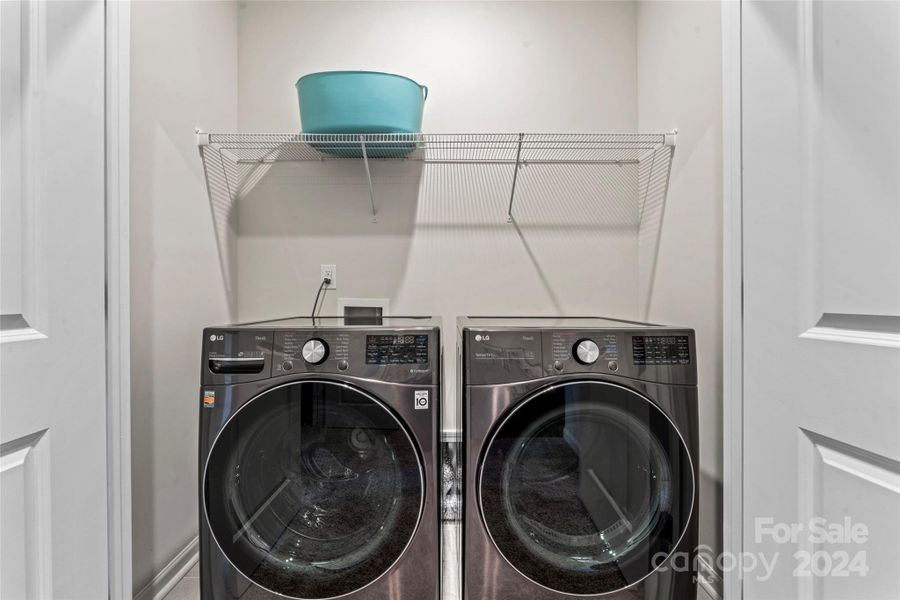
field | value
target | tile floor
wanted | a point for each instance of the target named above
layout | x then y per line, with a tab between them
189	587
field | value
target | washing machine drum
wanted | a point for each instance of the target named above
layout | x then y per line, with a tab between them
313	489
586	487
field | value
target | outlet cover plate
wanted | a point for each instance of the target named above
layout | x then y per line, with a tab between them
329	271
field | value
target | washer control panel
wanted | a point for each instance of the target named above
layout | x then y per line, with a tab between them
391	349
298	350
233	355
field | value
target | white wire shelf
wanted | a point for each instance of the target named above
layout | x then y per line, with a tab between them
232	161
502	148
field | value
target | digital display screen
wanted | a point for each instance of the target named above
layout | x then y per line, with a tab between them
661	350
396	349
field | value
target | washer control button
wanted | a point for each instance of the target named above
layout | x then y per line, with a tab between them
287	366
586	351
613	366
315	351
343	365
558	365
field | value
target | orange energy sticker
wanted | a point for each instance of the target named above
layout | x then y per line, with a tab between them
209	398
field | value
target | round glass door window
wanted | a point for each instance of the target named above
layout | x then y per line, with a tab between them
313	489
586	487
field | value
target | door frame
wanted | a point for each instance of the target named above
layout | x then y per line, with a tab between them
118	295
732	300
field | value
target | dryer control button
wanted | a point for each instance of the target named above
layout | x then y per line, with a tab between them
343	365
558	365
287	365
586	351
613	366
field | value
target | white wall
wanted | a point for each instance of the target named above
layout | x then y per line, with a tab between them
183	74
490	66
442	245
680	85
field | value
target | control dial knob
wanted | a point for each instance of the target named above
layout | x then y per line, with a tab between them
315	351
586	351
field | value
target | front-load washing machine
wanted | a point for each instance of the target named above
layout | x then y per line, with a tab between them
319	449
580	454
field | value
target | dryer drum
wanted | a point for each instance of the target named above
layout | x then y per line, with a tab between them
313	489
583	484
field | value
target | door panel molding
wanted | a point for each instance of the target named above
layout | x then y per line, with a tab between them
871	330
34	289
856	461
30	322
27	543
820	95
867	329
819	457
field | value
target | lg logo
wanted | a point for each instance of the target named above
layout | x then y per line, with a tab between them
216	338
482	338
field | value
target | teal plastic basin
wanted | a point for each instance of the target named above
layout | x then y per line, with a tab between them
360	102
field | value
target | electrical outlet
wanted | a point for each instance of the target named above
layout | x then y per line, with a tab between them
329	271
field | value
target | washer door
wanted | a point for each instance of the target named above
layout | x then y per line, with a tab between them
313	489
586	487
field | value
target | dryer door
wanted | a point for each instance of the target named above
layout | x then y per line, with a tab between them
313	489
586	487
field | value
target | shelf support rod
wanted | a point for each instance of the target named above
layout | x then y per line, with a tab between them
512	191
365	156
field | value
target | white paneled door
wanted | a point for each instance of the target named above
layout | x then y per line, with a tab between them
53	473
821	229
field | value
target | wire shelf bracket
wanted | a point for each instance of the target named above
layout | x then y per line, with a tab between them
512	191
365	157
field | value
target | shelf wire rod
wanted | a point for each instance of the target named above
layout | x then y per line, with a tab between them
365	156
232	194
456	161
670	150
643	203
525	163
512	191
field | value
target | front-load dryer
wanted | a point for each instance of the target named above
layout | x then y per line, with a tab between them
319	448
580	456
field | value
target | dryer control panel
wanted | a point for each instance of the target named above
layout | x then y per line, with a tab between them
661	349
507	355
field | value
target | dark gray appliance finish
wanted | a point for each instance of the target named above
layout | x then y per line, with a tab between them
580	459
319	462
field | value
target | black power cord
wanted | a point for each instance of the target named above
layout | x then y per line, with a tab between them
325	281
